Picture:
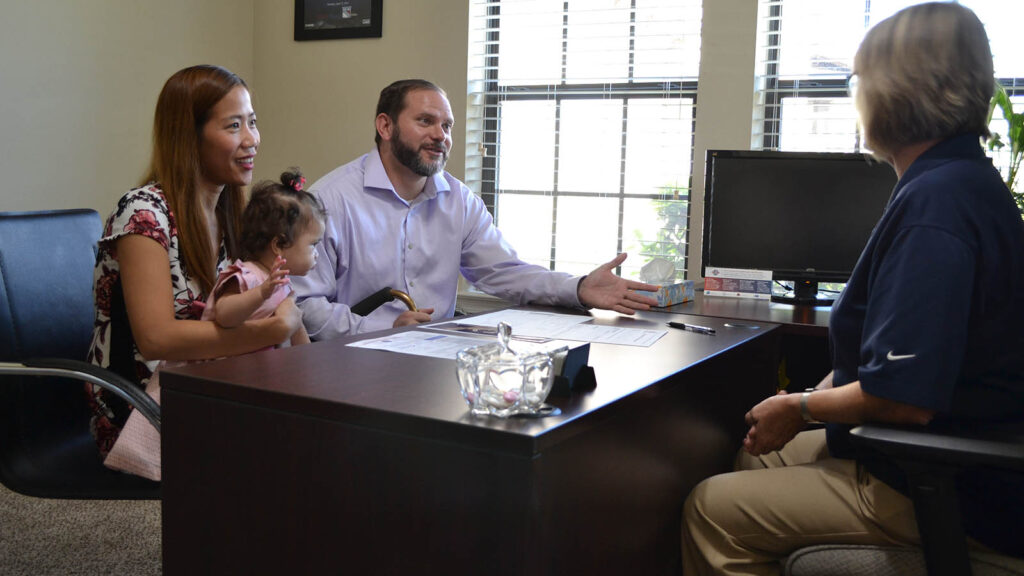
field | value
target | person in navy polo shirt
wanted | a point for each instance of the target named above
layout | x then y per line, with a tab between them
929	329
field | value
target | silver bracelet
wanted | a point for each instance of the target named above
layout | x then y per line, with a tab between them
804	412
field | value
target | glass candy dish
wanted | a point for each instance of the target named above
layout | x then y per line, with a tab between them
496	380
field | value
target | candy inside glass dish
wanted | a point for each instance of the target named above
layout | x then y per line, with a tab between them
494	379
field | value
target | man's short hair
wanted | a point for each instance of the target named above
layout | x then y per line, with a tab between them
392	98
924	73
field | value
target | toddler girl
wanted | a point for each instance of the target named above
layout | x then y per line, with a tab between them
281	226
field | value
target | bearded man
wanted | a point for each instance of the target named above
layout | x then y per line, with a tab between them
397	219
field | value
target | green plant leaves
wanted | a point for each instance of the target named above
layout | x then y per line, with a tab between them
1014	138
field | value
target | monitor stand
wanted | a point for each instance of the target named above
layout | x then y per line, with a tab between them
805	292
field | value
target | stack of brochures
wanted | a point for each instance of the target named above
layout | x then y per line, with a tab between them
738	283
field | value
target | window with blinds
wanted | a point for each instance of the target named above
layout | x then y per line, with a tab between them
805	54
580	126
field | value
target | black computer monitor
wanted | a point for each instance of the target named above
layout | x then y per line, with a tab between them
805	216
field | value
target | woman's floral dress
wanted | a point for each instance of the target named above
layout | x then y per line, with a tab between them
141	211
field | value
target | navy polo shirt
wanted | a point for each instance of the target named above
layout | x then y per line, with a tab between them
933	314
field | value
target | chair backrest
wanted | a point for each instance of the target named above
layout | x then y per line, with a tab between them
46	310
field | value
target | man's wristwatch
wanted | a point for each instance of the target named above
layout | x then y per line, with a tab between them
804	412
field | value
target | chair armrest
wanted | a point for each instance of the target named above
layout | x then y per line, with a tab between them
999	446
86	372
931	458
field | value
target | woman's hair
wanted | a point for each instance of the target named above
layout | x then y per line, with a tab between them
277	210
181	112
924	73
392	98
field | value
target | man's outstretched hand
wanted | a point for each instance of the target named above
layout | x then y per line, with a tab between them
602	289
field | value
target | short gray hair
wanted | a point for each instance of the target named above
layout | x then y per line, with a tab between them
924	73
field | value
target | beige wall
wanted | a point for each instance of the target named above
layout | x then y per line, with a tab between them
316	100
725	98
79	80
78	84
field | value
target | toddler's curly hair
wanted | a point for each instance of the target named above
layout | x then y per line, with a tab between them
280	210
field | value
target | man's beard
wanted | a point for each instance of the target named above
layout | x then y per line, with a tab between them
411	159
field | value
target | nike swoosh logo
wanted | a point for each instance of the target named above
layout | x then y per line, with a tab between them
891	356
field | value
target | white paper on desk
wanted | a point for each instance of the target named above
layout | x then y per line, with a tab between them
430	344
478	330
612	335
528	323
565	327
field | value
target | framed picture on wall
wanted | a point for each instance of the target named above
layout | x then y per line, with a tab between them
329	19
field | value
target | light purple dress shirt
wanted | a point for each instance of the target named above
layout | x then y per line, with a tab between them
375	239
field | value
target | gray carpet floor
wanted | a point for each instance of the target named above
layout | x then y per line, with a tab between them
40	536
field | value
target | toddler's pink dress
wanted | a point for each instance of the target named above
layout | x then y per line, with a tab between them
137	449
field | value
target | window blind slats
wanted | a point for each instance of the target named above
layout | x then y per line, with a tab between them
801	97
581	128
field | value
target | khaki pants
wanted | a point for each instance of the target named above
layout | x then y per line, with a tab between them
746	522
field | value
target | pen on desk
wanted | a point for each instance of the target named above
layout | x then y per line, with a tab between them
693	328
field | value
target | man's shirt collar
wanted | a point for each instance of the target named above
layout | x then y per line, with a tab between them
377	177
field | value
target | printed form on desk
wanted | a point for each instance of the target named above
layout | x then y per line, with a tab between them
423	343
529	325
564	327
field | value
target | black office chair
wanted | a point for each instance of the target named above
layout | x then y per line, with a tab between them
46	321
931	460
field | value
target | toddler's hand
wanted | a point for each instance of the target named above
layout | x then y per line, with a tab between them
278	277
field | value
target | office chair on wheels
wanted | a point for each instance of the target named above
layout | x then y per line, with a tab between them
46	321
931	460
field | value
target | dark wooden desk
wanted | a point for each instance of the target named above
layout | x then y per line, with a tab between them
803	346
794	319
327	459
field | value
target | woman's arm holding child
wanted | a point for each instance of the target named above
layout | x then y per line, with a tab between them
234	307
149	298
300	337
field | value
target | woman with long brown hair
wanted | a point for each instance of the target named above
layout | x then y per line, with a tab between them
164	244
